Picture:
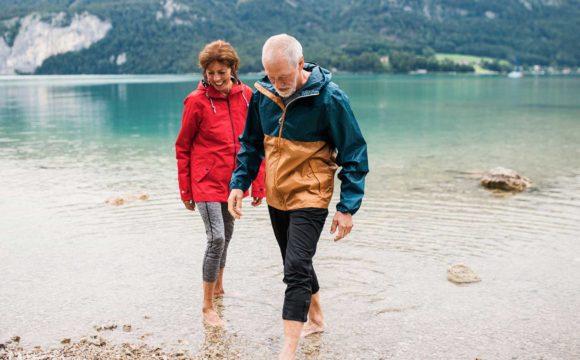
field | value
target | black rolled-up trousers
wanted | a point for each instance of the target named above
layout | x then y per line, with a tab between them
297	233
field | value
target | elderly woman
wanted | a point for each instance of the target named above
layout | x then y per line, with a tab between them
214	116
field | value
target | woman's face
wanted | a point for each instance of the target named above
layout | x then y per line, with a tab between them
219	76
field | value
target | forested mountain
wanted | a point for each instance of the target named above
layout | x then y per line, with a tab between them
147	36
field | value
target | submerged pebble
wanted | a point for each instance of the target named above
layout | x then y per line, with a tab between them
122	200
105	327
462	274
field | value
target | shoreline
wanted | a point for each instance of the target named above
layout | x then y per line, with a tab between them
93	346
196	75
106	342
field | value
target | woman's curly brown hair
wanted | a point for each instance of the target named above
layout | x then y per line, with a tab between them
220	51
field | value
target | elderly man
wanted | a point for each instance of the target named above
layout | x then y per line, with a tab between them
302	123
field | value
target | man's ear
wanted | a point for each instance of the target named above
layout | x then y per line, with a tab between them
301	63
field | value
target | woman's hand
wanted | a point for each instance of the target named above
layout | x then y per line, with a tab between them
189	204
256	201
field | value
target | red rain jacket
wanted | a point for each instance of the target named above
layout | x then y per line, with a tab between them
208	142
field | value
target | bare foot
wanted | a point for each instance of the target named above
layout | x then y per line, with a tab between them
219	292
312	327
211	318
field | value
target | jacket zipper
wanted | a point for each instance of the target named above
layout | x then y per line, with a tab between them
283	117
281	127
233	131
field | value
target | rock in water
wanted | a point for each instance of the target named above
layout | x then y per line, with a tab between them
105	327
118	201
505	179
461	274
122	200
96	340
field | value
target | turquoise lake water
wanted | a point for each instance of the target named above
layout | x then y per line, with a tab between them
69	260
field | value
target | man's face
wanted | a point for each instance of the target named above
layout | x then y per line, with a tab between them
283	75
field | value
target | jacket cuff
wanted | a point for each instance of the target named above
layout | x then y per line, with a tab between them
186	195
258	192
237	185
343	209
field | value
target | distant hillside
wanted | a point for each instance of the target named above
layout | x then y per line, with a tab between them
105	36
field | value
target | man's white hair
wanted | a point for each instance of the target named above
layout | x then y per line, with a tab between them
282	45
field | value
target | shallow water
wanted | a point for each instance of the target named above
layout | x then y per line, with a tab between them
69	261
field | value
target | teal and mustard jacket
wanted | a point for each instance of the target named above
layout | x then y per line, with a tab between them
304	141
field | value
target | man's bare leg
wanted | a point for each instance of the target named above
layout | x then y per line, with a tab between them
219	286
315	323
210	316
292	330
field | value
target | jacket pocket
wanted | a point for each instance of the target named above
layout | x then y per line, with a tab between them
201	170
324	175
313	174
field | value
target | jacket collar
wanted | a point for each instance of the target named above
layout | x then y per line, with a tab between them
211	92
319	78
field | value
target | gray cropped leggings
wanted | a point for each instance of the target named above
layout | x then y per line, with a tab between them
219	226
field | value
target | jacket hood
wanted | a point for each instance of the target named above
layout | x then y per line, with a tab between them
318	79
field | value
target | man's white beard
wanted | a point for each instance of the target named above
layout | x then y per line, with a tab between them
286	93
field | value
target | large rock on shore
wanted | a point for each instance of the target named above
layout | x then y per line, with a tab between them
505	179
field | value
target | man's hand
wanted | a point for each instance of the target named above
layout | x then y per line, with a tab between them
189	204
235	203
343	222
256	201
